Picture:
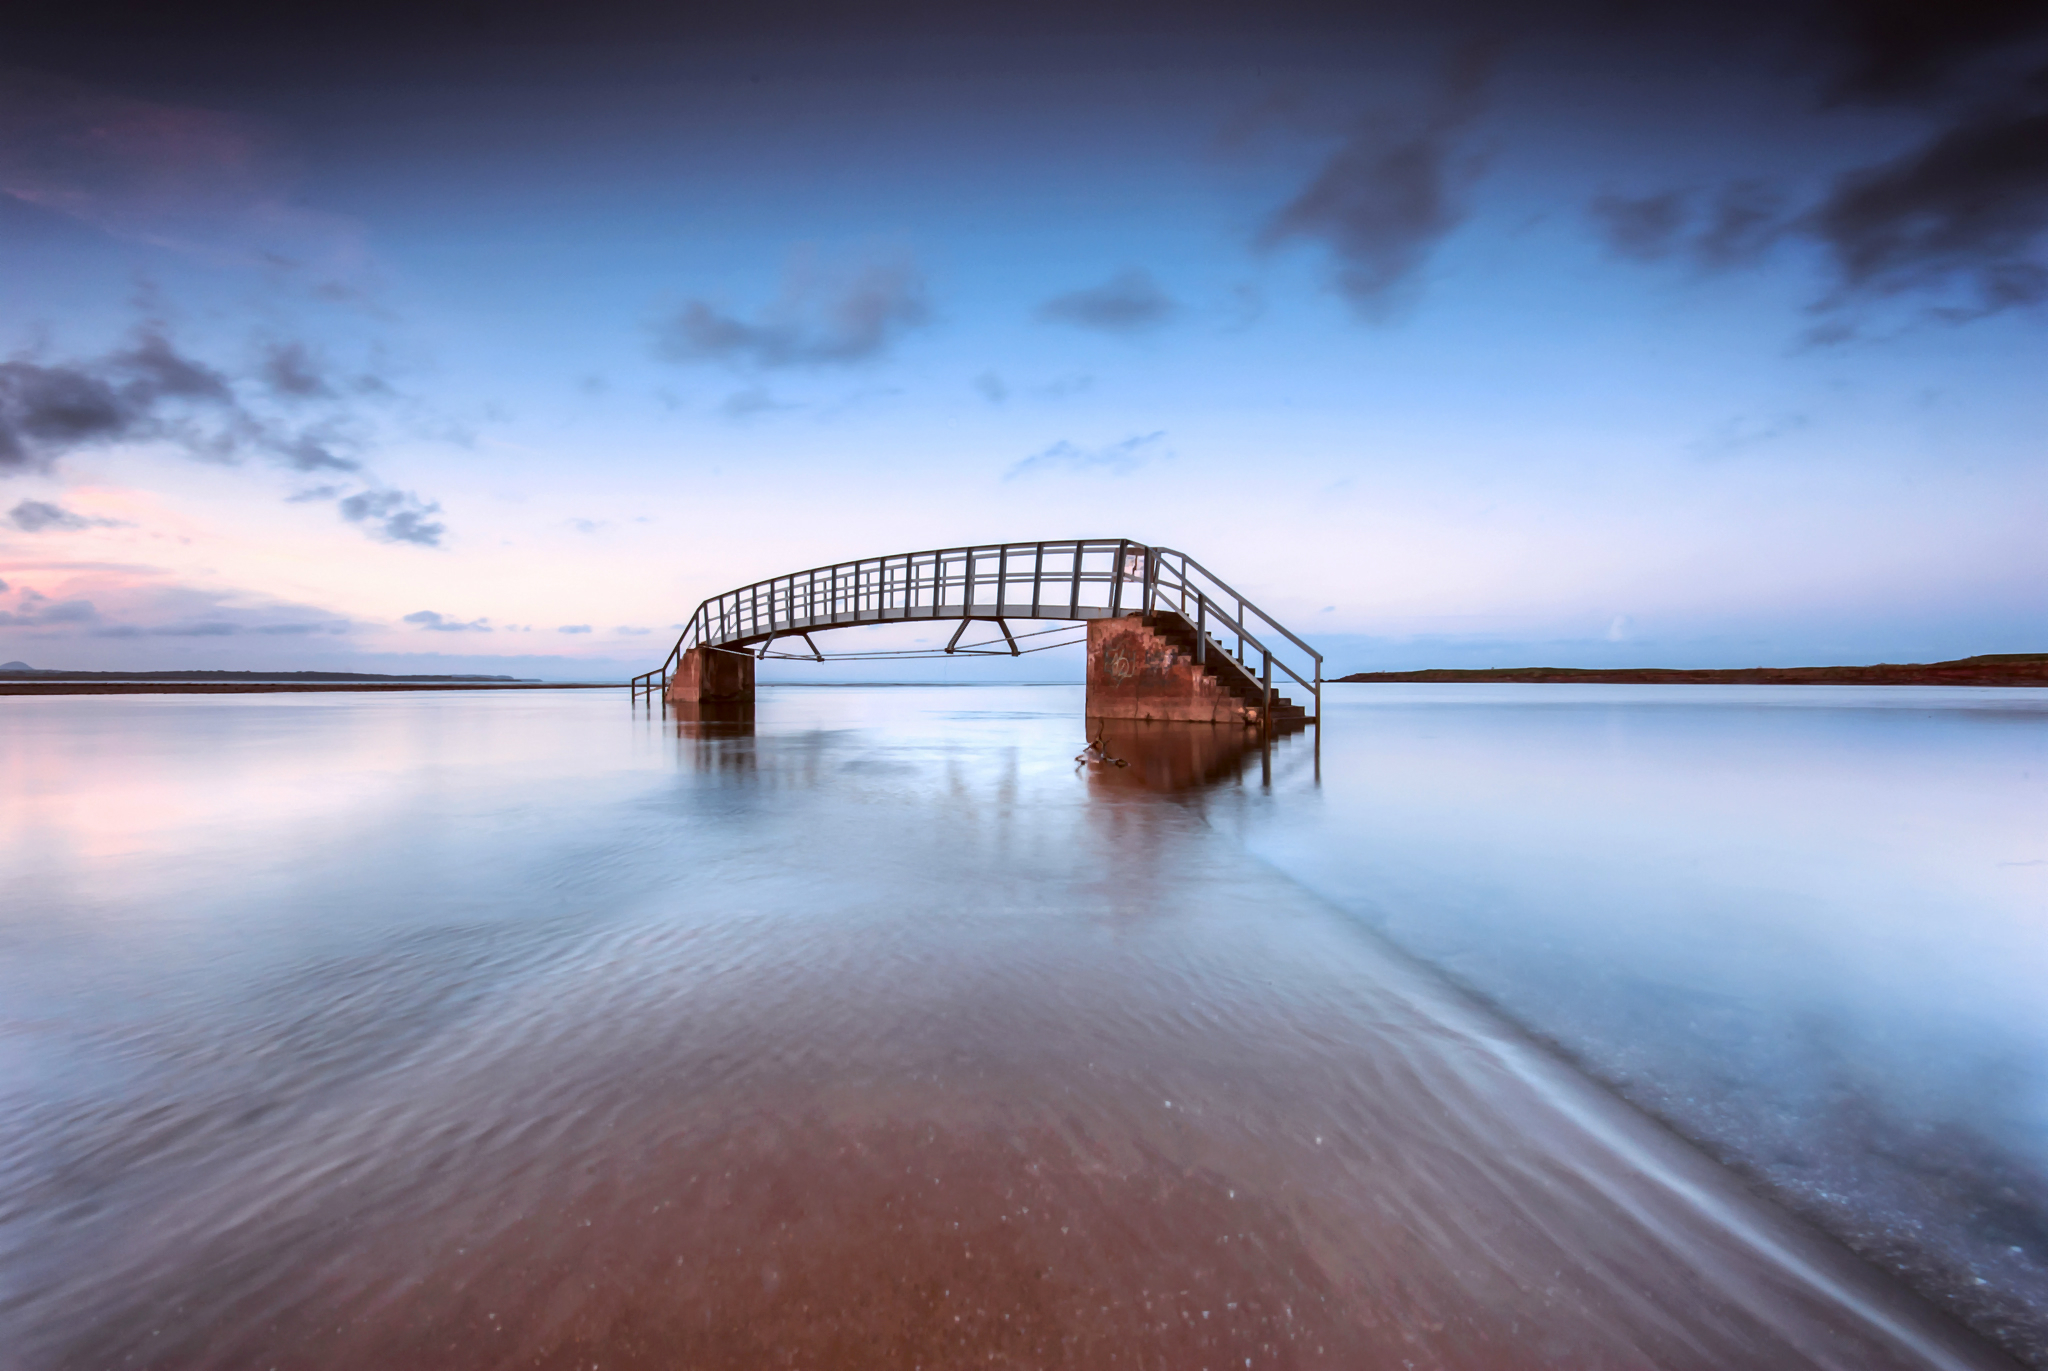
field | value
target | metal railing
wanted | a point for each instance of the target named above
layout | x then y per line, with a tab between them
1072	580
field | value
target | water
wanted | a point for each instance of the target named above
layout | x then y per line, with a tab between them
450	1030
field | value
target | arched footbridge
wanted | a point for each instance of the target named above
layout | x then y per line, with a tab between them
1167	638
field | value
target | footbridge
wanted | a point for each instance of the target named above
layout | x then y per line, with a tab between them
1167	638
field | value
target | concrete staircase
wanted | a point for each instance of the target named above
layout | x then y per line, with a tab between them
1238	678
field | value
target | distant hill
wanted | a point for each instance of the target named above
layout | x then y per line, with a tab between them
1994	669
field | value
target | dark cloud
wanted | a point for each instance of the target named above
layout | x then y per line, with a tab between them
312	450
37	516
147	391
1645	228
827	315
394	516
1119	458
1746	219
1128	302
1735	228
1904	51
1392	191
1966	211
290	370
438	623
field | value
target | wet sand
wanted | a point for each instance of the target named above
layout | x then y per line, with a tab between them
886	1064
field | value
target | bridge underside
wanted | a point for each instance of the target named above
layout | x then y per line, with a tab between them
790	627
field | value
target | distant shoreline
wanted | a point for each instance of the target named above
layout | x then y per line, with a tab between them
1998	669
275	687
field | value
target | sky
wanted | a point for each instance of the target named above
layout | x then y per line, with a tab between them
460	338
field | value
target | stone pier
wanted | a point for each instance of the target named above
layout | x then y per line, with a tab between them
707	675
1138	672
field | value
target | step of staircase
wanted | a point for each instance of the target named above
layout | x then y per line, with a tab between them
1238	678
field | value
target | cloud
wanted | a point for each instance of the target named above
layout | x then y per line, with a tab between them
1747	218
1960	218
1129	302
201	182
1741	224
1904	53
992	387
632	631
146	391
119	600
394	516
41	613
1967	211
1644	229
751	402
1060	387
1118	458
573	628
290	370
1746	432
38	516
437	623
1391	192
219	628
827	315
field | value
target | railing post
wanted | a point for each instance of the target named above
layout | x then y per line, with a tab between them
1201	627
1266	716
1116	578
1037	577
1151	580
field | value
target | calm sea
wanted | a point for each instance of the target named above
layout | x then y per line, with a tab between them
1533	1027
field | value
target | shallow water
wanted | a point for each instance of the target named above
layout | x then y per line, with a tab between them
450	1031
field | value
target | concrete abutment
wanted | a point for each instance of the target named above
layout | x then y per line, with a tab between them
707	675
1135	671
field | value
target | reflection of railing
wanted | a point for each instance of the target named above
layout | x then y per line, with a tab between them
1072	580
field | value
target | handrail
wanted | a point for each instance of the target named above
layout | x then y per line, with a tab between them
1068	579
1183	585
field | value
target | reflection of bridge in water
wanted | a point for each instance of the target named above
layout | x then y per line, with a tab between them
1123	754
1167	639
